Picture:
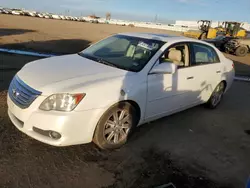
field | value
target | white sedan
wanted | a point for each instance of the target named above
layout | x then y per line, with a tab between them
103	92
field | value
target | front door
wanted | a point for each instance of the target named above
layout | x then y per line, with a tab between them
168	93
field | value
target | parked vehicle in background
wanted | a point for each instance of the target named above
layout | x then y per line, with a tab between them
40	15
26	13
239	47
54	16
31	13
94	21
6	11
82	20
17	12
62	17
102	93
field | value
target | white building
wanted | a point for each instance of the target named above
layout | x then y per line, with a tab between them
246	26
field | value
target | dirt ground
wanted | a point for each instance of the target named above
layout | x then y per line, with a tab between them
59	36
46	35
197	148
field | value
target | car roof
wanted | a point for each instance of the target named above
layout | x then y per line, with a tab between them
157	36
165	37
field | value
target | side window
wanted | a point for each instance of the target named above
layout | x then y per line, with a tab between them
177	54
203	54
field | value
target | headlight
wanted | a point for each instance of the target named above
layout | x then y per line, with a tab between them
61	102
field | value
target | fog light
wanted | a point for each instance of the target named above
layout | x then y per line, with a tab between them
54	135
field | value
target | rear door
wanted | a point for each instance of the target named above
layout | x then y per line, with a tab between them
206	66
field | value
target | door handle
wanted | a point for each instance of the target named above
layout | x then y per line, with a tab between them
218	71
189	78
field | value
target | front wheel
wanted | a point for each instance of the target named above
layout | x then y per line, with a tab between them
216	96
115	126
241	51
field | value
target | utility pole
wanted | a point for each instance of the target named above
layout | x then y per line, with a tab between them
156	17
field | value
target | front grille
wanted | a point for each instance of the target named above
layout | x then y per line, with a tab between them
22	94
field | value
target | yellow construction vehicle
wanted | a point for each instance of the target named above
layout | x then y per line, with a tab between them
234	29
228	28
205	31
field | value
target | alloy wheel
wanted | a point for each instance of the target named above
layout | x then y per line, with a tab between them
117	127
217	95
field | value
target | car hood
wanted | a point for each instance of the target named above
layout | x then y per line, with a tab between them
50	71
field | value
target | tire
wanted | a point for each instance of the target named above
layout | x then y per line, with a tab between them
110	132
241	51
216	96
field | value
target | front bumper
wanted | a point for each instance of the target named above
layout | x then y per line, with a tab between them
74	127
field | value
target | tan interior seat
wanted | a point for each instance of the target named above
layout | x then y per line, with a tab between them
175	56
186	56
131	51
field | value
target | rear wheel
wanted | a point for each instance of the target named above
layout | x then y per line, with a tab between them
115	126
216	96
241	51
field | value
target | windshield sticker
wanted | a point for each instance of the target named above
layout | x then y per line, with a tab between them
135	64
146	46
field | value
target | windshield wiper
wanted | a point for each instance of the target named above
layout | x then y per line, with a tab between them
99	60
106	62
88	56
103	61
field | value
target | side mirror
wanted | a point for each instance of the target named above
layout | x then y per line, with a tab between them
164	68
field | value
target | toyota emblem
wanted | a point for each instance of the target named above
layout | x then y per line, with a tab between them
15	93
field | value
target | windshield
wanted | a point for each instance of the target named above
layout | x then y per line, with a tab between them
219	37
124	52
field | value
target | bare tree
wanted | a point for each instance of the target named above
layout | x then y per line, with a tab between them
108	16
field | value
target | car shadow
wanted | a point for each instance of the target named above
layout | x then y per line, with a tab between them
242	64
62	46
10	64
7	31
241	69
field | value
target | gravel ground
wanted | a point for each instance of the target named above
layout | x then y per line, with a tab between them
195	148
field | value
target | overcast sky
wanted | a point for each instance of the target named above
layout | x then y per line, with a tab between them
145	10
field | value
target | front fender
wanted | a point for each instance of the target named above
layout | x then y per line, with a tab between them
107	93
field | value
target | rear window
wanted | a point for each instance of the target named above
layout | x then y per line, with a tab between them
204	54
